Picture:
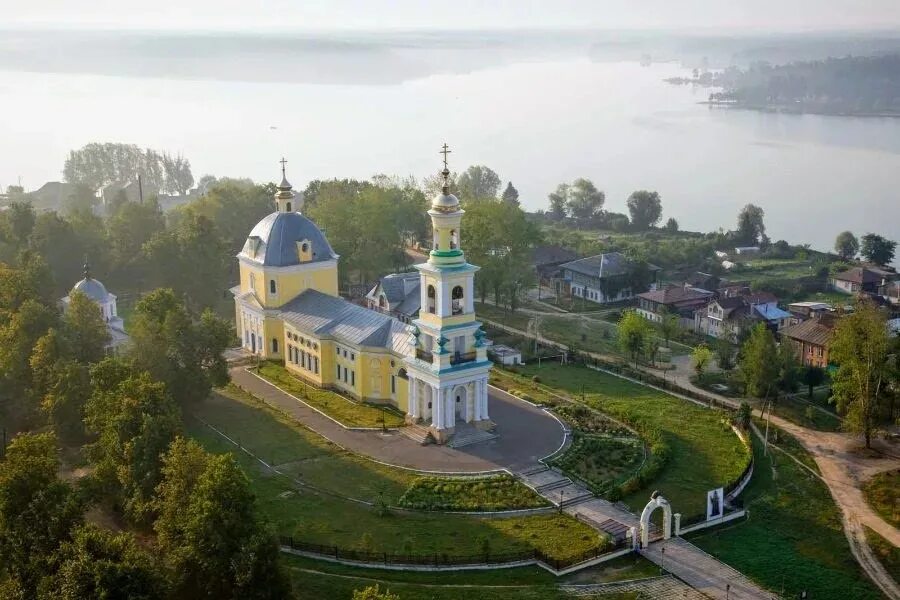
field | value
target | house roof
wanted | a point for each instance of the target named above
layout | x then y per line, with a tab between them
401	291
546	255
860	275
812	331
324	315
673	294
608	264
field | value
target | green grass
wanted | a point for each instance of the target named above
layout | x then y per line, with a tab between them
883	494
315	579
704	451
518	320
805	414
793	536
501	492
349	413
887	553
591	335
322	518
601	461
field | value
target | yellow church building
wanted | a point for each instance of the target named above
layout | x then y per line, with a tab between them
287	308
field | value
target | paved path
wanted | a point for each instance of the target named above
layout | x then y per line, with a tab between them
664	587
526	434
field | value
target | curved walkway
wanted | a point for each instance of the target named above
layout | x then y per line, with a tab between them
526	434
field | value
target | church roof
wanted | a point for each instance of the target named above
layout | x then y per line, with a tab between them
325	315
273	241
92	288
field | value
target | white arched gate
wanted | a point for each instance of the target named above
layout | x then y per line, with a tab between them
656	501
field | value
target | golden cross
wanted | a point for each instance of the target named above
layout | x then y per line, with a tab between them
445	151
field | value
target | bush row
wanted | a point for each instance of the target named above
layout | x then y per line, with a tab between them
501	492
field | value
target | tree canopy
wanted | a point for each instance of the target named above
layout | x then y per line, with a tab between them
846	245
96	165
478	182
750	227
877	249
645	209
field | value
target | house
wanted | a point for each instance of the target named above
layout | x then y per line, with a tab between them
607	277
52	195
801	311
682	301
859	280
731	316
505	355
810	339
891	291
703	281
546	261
397	295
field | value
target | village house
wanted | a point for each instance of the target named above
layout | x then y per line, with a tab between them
731	316
810	339
858	280
547	260
681	301
801	311
607	277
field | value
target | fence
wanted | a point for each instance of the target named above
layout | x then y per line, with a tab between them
447	560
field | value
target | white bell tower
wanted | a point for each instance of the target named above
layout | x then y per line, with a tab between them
448	367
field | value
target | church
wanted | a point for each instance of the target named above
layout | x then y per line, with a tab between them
287	309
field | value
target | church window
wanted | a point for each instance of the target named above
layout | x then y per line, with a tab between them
272	288
457	300
253	281
304	247
454	239
316	365
352	356
431	300
288	207
339	371
393	384
274	345
353	378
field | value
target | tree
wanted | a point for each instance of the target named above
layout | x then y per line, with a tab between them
64	402
585	200
84	328
178	176
860	347
724	351
645	209
37	510
811	377
101	564
671	225
877	249
130	227
511	194
373	592
478	183
669	326
213	542
634	331
758	369
744	415
846	245
134	424
234	206
559	202
96	165
788	368
751	230
700	359
183	352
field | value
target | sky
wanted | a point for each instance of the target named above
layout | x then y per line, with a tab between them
736	15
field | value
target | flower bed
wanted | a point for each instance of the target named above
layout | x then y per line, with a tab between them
501	492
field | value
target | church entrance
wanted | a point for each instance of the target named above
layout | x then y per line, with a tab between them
460	400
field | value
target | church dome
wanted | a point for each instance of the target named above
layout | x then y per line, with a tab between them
283	239
445	202
92	288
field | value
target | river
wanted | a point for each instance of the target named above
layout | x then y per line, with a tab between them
537	118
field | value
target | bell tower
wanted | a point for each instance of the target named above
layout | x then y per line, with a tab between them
448	366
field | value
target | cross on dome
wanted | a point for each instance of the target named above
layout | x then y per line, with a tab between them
445	150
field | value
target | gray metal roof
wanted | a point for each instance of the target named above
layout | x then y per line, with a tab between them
394	286
325	315
609	264
92	288
273	241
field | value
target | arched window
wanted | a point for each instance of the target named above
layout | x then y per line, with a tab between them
253	281
454	239
275	345
272	288
382	302
288	207
431	299
457	297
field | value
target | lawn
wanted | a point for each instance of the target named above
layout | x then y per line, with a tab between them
518	320
314	580
703	450
601	461
347	412
589	334
882	494
887	553
320	516
483	494
793	537
805	414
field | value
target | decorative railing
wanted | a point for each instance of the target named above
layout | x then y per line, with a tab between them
459	358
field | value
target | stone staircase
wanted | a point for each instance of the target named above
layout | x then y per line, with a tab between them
466	436
663	588
418	433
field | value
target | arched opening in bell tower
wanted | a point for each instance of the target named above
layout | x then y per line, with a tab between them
458	304
431	299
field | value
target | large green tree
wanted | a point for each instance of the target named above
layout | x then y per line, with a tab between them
846	245
37	510
478	182
645	208
585	200
877	249
758	364
559	202
208	530
85	329
234	206
64	402
510	194
751	229
633	334
860	347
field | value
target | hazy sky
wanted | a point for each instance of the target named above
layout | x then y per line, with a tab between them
373	14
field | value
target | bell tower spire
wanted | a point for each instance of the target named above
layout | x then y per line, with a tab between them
286	200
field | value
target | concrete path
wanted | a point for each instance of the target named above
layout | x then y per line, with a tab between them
664	587
526	434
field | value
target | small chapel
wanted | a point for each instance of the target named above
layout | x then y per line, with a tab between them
287	308
106	303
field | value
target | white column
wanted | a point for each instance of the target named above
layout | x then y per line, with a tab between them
470	295
444	305
450	407
437	407
470	401
484	399
413	399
